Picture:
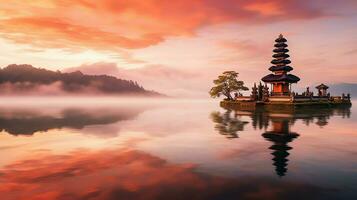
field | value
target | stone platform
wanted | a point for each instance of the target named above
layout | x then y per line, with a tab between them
248	105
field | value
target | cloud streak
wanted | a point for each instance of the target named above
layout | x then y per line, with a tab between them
171	81
111	25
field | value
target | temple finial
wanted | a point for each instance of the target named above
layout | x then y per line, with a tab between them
281	35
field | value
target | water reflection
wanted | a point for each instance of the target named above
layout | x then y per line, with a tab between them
27	121
280	122
228	125
176	151
131	174
280	136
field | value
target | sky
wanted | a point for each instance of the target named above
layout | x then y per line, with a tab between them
179	47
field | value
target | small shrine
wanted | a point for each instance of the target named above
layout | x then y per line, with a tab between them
322	90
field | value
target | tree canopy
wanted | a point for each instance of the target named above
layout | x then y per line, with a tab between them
225	84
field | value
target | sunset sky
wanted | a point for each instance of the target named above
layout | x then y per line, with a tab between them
179	47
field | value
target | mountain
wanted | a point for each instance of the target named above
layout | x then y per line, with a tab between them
340	88
26	79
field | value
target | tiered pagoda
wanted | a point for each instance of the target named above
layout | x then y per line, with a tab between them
280	79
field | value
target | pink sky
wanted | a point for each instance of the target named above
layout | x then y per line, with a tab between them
178	47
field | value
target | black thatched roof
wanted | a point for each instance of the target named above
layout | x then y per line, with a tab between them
322	86
279	45
280	68
279	50
281	39
280	62
281	77
281	55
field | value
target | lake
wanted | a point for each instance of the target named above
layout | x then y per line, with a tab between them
173	149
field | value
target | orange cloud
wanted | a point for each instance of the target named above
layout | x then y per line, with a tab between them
111	25
55	33
265	8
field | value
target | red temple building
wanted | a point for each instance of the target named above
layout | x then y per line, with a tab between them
280	80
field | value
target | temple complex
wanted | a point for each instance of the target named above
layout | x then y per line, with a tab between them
280	82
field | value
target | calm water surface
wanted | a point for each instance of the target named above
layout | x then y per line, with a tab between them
174	150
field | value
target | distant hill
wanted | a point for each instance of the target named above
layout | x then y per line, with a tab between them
26	79
340	88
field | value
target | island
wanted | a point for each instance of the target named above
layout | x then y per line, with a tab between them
279	93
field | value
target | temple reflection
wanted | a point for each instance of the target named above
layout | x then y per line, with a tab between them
280	136
277	124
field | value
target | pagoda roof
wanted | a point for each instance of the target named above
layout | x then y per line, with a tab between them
281	78
281	39
322	86
279	50
280	45
281	55
280	68
280	61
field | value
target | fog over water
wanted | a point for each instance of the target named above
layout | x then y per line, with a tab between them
110	148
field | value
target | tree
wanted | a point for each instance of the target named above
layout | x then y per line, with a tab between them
226	83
